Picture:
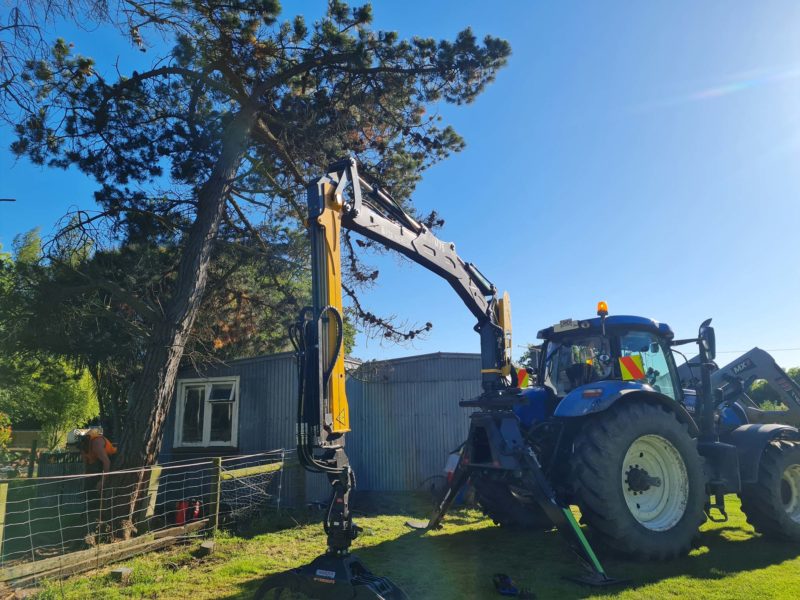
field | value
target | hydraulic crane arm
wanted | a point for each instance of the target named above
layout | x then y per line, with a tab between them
379	218
342	198
375	215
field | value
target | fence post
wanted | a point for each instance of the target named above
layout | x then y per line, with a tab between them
280	481
216	490
152	491
3	499
32	459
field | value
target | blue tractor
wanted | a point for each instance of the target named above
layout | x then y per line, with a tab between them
646	461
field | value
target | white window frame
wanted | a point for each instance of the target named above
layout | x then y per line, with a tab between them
179	410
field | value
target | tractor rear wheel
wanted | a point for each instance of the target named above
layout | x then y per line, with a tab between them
508	507
639	481
772	505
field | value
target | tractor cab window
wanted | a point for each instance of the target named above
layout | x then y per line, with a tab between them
642	358
571	363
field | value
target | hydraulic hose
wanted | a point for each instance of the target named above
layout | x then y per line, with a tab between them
326	376
299	335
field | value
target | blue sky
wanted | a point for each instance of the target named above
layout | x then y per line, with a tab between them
640	153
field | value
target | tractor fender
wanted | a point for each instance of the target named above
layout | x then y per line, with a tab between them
751	440
601	395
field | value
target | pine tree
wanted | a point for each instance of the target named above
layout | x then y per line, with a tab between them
225	132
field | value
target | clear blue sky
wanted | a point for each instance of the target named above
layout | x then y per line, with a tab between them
645	154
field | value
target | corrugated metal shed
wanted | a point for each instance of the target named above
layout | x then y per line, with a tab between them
405	417
404	414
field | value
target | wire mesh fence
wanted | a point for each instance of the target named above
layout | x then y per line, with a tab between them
57	525
250	484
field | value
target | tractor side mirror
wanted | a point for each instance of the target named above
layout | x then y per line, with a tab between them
707	340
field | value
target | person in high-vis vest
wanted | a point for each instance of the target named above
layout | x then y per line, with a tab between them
96	451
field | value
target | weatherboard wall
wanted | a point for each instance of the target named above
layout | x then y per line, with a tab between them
267	405
404	415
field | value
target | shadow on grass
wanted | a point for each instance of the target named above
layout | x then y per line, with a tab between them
716	556
272	522
364	504
442	565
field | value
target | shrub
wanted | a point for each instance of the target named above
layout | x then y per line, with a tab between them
5	431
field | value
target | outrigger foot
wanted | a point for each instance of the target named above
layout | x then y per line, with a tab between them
331	577
418	524
595	579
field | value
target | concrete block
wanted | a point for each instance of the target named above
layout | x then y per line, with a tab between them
122	574
206	548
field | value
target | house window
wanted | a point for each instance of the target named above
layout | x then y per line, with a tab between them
207	412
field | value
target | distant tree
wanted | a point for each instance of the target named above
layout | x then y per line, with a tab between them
75	307
51	393
530	358
35	385
5	435
6	284
28	247
763	394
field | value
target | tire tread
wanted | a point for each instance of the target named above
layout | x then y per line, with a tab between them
760	504
614	525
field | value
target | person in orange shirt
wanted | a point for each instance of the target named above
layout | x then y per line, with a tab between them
96	451
97	448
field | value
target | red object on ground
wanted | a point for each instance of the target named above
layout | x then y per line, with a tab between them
180	512
196	510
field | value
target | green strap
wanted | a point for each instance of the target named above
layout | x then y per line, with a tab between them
582	539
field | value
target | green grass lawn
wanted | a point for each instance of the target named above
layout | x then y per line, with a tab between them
457	562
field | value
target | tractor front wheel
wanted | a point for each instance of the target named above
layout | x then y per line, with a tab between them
772	504
639	481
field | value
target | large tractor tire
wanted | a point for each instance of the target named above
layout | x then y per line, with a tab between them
507	508
639	481
772	504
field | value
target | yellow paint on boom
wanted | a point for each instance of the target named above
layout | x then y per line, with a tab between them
331	221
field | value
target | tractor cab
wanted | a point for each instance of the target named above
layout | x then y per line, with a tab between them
608	349
585	366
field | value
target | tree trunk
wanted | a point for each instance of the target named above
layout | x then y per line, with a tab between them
152	394
108	390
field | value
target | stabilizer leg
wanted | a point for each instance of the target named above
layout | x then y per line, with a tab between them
562	517
459	479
